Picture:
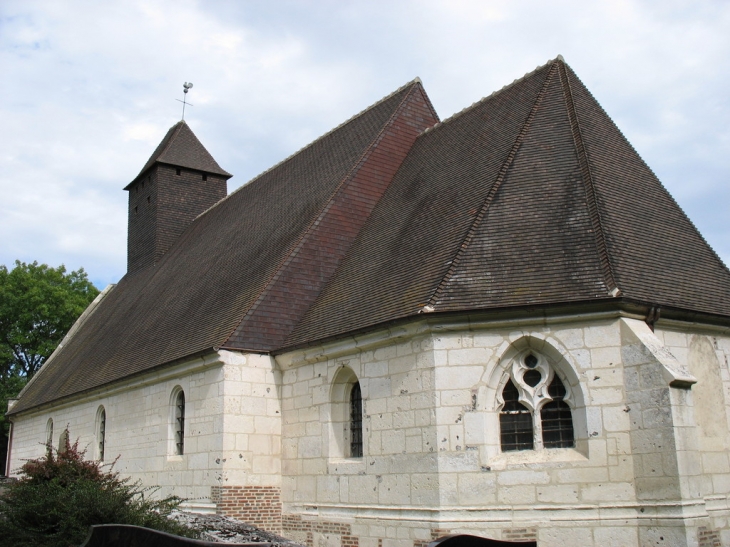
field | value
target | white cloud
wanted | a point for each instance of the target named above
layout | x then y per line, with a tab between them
90	87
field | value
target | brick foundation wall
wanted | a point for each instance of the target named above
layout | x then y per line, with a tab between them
435	534
257	505
708	538
296	526
519	534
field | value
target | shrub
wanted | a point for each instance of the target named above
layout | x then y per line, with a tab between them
61	494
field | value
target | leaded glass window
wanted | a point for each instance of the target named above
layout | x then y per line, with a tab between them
180	423
356	421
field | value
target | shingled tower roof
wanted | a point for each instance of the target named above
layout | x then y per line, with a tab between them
529	200
180	147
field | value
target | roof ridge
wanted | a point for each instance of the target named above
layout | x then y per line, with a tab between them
506	164
317	219
587	176
172	132
503	89
416	80
724	266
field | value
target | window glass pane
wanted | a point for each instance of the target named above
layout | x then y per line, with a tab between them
180	424
356	421
102	434
557	421
515	422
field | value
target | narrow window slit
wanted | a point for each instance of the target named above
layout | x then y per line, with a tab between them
356	421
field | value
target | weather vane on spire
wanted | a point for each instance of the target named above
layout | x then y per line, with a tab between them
186	87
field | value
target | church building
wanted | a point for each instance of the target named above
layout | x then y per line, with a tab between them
498	324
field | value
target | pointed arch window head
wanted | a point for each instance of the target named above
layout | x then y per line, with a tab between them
180	423
534	413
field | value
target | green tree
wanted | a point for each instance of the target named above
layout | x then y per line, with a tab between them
38	306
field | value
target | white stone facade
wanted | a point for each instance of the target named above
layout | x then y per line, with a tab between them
232	425
650	411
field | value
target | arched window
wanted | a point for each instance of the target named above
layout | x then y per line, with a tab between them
179	423
534	414
49	434
355	421
347	440
100	433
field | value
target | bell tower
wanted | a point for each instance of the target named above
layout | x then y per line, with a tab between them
179	181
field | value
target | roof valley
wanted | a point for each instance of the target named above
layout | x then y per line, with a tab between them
587	176
283	280
444	283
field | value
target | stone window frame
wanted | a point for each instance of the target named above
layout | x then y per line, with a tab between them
563	365
341	434
533	398
176	436
100	433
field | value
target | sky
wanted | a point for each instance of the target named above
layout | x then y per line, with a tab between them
90	88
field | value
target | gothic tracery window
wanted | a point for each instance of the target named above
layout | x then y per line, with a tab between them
534	412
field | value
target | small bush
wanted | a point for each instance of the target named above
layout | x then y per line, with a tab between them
61	494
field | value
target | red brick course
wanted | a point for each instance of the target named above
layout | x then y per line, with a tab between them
708	538
295	523
257	505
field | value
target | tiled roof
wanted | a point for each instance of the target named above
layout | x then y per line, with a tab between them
531	197
180	147
201	289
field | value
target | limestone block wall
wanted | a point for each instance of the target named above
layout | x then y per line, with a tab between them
432	458
249	484
139	428
232	425
707	356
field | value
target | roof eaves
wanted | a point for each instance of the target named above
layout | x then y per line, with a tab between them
90	309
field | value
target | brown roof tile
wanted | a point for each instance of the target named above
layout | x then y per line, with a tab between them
198	293
531	197
180	147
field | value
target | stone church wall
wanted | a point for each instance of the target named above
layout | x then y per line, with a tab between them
432	459
232	426
707	356
268	440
